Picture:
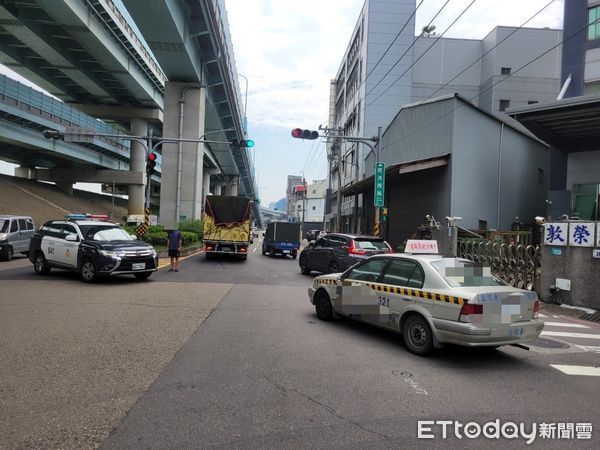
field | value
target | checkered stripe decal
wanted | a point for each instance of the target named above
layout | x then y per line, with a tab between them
417	293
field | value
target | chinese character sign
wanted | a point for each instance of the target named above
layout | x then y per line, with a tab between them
556	233
582	234
379	184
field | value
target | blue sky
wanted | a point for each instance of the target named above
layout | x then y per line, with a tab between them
290	50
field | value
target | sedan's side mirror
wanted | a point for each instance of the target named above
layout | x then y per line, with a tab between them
133	236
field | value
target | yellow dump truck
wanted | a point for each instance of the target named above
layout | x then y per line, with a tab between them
227	226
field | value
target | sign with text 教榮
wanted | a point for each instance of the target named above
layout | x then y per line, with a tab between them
379	184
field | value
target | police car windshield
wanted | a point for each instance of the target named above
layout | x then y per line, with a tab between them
461	273
4	225
104	233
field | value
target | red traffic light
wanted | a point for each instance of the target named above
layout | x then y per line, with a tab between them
299	133
152	157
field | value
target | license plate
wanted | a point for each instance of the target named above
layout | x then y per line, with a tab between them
516	332
138	266
286	251
225	249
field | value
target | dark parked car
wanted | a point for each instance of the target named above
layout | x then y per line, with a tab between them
313	235
336	252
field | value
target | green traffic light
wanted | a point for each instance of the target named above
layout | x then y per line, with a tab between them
249	143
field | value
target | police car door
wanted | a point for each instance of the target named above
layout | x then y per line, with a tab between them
69	248
396	290
359	297
50	242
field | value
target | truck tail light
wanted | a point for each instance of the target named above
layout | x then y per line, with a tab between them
536	309
469	309
355	251
243	249
210	248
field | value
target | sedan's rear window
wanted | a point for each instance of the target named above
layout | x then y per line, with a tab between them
371	244
463	273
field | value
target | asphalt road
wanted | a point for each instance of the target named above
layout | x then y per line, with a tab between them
263	372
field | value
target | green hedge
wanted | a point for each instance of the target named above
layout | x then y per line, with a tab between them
191	233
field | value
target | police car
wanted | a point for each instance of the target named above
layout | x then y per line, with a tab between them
92	248
431	300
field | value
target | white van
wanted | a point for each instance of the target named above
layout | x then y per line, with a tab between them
15	234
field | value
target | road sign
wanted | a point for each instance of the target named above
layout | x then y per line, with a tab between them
379	184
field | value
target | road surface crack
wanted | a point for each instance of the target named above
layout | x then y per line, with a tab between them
331	410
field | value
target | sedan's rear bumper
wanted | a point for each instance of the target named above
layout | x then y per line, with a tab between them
470	335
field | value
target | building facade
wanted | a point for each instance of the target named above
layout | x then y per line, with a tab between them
367	93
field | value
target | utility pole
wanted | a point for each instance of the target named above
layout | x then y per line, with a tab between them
377	208
338	219
303	205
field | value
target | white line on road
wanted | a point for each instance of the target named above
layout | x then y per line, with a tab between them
542	315
573	335
578	370
565	324
589	348
254	249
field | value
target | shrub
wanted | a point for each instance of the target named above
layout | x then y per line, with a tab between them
189	238
156	238
192	226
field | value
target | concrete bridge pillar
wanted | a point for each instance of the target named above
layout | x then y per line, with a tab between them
206	181
218	188
234	186
137	162
26	172
182	177
65	186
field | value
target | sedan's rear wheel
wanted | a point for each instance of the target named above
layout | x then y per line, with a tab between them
304	269
323	306
418	337
334	267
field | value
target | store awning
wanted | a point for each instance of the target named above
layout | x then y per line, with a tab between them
571	124
398	169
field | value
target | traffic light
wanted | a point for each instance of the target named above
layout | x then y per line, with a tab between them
249	143
384	214
52	134
299	133
151	163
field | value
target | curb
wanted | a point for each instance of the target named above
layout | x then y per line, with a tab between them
185	252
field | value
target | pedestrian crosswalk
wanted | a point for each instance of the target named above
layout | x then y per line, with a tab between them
579	336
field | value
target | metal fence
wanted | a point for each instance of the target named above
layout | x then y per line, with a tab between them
516	264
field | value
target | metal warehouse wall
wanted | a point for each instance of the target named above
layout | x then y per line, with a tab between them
480	155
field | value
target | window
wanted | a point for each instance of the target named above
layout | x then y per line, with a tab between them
504	105
369	271
68	229
314	191
14	226
314	208
22	224
593	23
4	225
403	273
30	224
505	70
55	230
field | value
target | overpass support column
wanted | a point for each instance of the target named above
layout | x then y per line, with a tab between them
233	186
181	188
206	182
26	172
65	186
218	189
137	162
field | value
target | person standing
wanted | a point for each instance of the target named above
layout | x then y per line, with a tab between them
174	243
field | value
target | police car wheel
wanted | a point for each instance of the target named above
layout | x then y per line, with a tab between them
87	271
9	254
417	335
323	306
40	265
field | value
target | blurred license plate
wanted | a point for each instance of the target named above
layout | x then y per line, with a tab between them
225	249
286	251
517	332
138	266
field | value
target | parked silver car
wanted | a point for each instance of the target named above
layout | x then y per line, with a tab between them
15	234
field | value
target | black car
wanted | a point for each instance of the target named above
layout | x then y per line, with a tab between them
336	252
91	248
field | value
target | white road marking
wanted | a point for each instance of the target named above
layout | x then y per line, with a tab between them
578	370
542	315
254	249
573	335
589	348
564	324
